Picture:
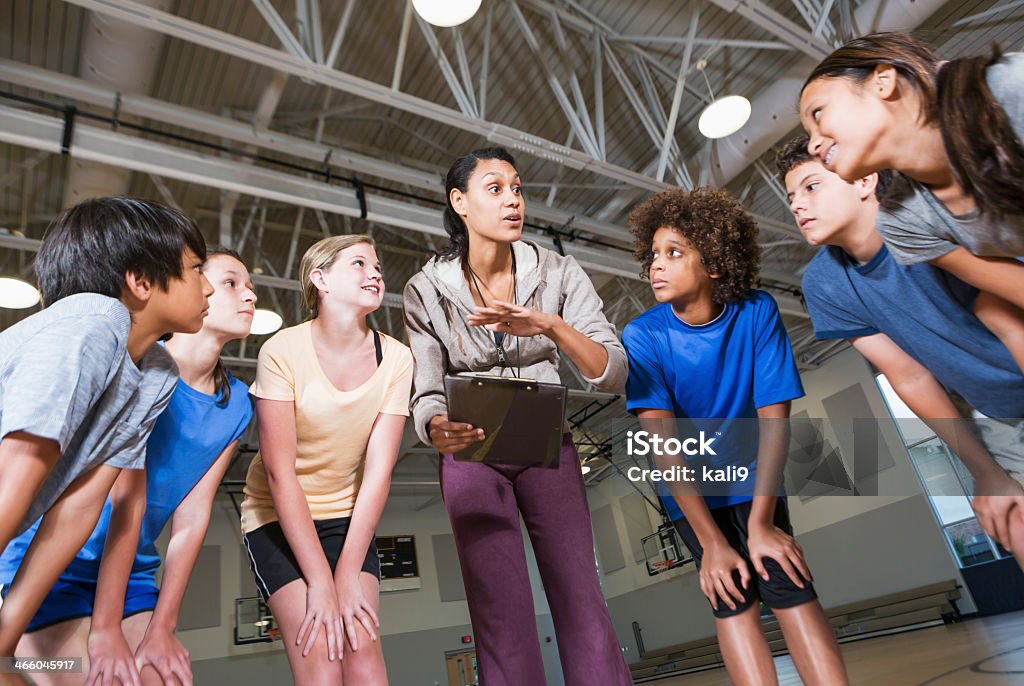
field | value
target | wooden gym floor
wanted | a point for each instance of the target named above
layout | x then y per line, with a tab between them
975	652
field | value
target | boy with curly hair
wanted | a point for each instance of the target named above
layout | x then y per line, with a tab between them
714	353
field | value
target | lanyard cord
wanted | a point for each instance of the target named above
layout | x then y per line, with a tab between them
500	347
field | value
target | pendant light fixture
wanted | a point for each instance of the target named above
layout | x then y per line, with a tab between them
265	321
16	294
446	12
724	116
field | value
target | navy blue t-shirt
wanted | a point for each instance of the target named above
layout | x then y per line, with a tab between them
724	369
927	312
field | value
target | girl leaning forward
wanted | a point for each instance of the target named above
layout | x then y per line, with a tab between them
331	398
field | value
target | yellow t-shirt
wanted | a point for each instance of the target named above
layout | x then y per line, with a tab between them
332	426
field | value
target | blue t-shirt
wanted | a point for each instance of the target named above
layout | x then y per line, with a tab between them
927	312
725	370
186	441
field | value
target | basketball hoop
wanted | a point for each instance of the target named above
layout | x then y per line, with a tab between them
663	550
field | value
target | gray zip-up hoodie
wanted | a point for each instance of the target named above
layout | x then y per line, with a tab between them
438	300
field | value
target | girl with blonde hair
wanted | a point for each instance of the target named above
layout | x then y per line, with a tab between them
331	398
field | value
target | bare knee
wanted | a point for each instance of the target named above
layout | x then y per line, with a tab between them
314	668
151	677
366	665
66	639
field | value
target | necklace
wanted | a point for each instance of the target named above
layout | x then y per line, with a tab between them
477	280
499	337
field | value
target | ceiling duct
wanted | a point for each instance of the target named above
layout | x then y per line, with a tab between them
123	57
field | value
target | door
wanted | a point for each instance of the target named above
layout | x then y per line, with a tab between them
461	668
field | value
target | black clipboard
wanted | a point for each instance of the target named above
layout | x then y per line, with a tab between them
522	419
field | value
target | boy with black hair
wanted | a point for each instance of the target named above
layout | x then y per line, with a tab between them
83	381
714	353
918	325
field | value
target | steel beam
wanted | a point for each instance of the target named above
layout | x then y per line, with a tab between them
485	62
339	35
677	96
462	98
310	32
779	26
268	102
998	9
599	94
245	133
819	26
464	68
281	30
250	51
585	137
45	133
574	85
705	41
649	125
581	19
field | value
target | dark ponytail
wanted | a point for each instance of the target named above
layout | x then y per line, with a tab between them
458	177
221	382
984	151
986	157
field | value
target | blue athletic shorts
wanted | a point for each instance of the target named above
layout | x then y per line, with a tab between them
69	599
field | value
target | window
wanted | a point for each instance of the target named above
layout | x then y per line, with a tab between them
946	481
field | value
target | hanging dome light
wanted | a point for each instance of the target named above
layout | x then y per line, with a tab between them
585	469
724	116
265	321
15	294
446	12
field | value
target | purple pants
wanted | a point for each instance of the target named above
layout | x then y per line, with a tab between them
484	503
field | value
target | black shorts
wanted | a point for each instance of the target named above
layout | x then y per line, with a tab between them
779	592
274	565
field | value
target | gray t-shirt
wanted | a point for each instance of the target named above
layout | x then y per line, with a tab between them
65	374
918	228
